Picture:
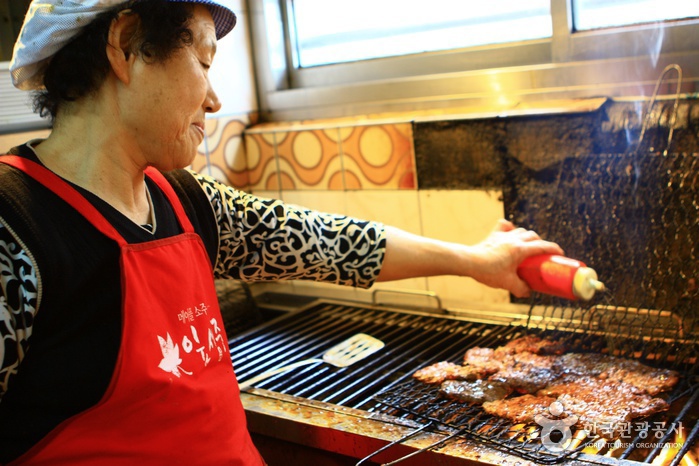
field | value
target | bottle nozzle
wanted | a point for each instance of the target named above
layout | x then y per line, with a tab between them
597	285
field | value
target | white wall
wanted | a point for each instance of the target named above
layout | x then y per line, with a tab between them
232	74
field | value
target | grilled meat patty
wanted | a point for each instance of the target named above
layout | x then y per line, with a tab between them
645	378
603	405
536	345
488	360
477	391
527	372
599	402
441	371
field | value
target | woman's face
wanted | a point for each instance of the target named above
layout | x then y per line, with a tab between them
168	101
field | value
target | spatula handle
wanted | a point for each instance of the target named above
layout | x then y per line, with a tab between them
278	370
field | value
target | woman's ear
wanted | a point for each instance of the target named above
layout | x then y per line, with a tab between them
119	42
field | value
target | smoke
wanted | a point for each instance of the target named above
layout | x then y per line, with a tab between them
650	43
653	42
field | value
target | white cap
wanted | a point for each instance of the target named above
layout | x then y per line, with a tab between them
585	283
51	24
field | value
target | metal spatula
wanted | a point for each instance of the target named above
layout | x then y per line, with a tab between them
344	354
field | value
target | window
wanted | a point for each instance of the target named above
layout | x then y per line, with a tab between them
593	14
334	32
317	59
15	106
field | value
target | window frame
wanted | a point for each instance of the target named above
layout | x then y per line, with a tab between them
569	65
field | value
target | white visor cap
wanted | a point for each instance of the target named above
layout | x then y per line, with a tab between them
51	24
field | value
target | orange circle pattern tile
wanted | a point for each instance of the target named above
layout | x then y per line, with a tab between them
381	156
304	156
348	157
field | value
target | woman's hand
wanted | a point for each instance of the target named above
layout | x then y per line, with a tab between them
494	260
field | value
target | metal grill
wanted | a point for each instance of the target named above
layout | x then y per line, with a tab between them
383	383
423	403
412	340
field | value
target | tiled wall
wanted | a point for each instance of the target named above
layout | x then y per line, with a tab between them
222	153
366	157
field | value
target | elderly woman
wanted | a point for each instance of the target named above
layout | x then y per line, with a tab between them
107	244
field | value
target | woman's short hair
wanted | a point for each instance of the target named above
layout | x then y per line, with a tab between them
79	68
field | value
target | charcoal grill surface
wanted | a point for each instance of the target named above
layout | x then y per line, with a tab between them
383	382
412	340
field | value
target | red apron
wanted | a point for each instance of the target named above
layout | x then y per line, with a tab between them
173	397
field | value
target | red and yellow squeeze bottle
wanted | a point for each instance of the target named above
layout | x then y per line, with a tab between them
560	276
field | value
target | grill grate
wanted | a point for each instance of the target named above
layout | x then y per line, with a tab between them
382	383
412	340
422	403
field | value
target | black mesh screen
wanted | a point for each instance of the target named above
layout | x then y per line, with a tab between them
634	218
